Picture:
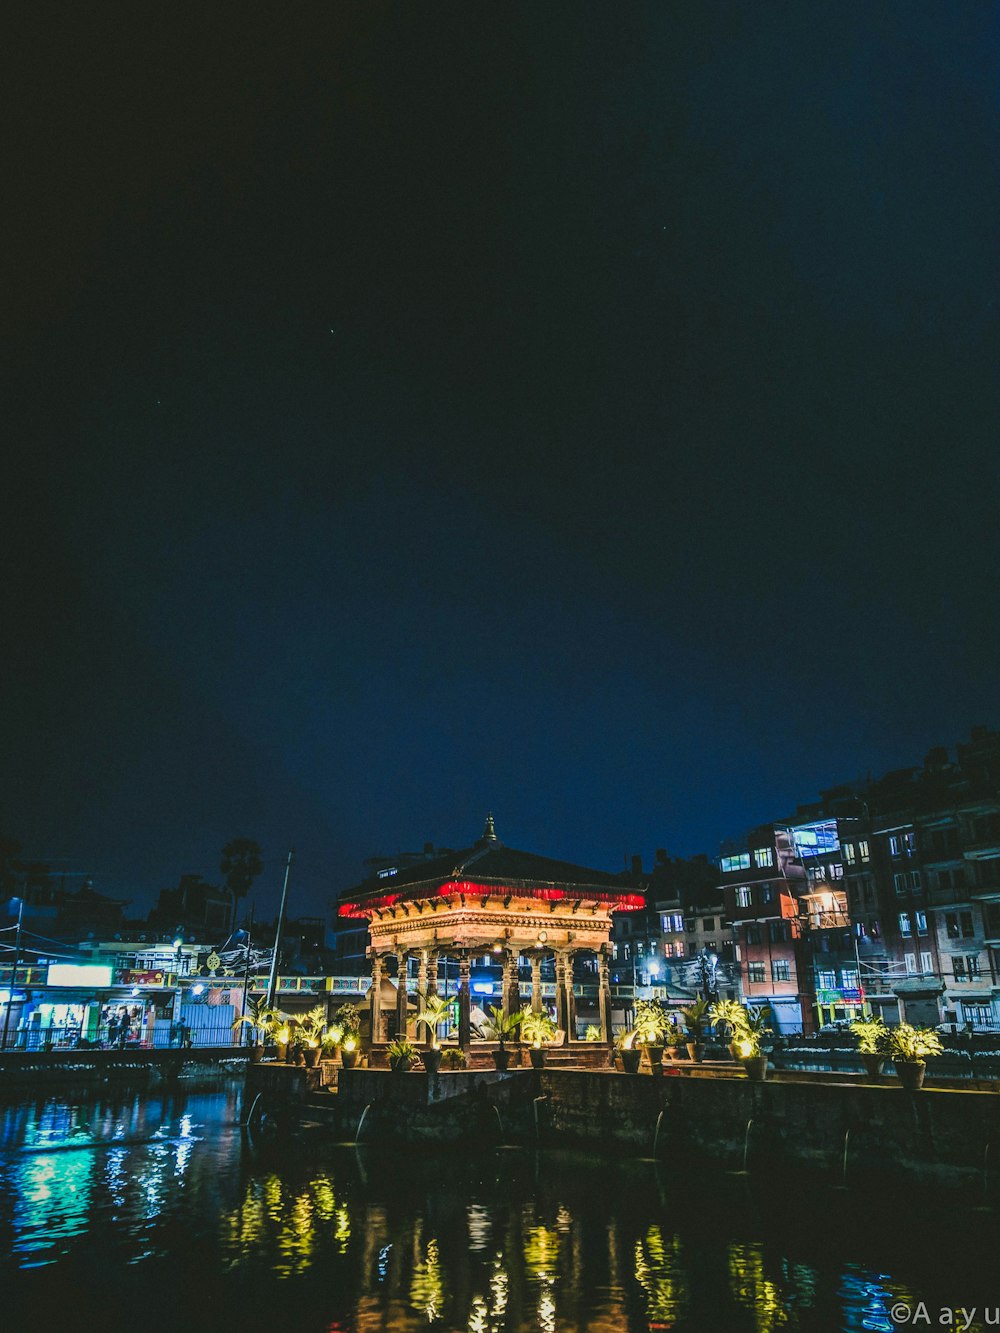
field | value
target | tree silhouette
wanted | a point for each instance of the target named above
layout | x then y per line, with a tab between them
241	864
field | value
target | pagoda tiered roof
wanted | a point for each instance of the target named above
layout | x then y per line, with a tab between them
488	869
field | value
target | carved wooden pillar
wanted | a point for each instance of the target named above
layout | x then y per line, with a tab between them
401	996
432	974
464	1002
376	997
536	983
510	996
422	972
562	1014
570	997
604	994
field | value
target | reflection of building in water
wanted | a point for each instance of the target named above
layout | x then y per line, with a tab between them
272	1222
772	1297
659	1271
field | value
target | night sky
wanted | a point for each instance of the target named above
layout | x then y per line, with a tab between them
587	413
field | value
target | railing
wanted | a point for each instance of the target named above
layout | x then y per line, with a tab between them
164	1036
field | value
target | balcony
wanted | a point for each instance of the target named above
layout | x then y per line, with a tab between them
988	849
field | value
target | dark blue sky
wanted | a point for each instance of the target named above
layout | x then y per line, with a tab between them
582	413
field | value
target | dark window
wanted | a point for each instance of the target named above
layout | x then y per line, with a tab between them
755	972
780	970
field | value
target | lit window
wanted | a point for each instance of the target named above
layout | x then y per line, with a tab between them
921	922
826	980
911	964
731	863
904	923
743	896
973	961
763	856
894	845
849	978
755	973
926	963
863	851
849	854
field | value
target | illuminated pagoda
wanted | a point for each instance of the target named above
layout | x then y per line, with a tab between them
493	900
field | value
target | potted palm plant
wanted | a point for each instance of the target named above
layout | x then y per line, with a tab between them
748	1040
909	1048
873	1043
402	1054
695	1017
728	1018
433	1013
330	1044
537	1028
628	1052
674	1040
261	1019
501	1028
349	1050
312	1026
347	1021
651	1024
454	1058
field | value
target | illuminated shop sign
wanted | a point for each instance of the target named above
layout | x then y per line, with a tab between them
814	839
79	974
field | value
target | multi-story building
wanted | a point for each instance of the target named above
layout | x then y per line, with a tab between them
762	882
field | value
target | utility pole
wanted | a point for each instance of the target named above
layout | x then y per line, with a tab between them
272	982
246	970
13	975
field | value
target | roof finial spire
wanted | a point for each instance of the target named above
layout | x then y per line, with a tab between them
489	831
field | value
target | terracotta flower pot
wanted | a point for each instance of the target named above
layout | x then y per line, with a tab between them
311	1054
696	1050
911	1073
756	1067
501	1059
256	1053
655	1054
348	1058
630	1060
537	1054
431	1058
874	1064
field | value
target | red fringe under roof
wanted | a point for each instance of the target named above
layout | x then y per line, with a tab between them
363	905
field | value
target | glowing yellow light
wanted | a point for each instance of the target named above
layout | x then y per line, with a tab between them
350	1043
745	1047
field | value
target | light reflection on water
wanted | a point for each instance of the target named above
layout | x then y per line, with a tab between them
319	1239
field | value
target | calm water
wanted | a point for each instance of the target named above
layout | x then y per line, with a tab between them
141	1211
